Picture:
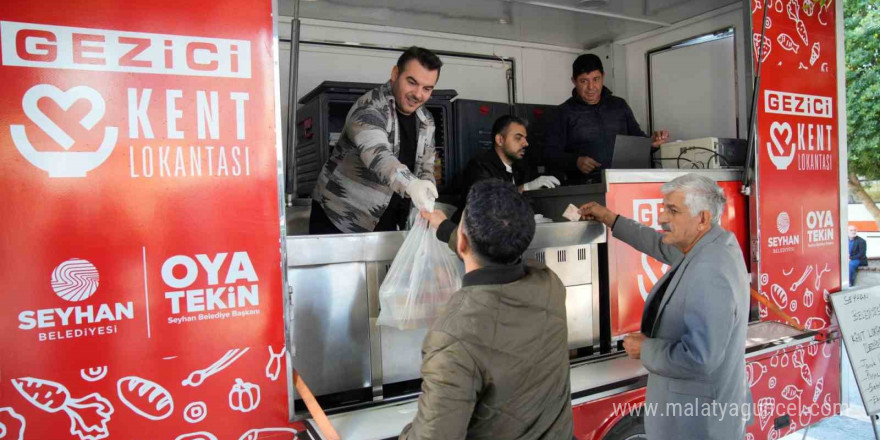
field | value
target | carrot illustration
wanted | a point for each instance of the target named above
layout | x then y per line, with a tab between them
802	32
88	415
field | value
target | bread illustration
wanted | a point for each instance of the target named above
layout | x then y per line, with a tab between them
146	398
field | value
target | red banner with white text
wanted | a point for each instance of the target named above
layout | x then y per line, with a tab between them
798	164
141	252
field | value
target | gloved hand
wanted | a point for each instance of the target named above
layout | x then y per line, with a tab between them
423	193
542	182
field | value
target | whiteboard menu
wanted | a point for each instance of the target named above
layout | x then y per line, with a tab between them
858	312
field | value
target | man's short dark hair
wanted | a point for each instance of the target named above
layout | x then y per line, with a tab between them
501	124
426	58
498	222
586	63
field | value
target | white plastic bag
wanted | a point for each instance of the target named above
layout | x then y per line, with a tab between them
422	278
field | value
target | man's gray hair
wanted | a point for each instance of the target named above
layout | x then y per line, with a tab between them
701	194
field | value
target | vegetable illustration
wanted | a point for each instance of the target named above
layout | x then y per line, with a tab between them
244	396
88	415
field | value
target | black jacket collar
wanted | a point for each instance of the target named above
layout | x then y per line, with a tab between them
490	157
496	274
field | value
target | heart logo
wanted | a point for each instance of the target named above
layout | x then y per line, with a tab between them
64	100
66	163
777	149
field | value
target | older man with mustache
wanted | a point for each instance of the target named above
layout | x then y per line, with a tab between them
692	339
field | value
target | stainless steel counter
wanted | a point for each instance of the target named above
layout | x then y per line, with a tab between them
335	283
310	250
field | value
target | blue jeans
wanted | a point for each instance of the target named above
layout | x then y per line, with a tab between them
853	268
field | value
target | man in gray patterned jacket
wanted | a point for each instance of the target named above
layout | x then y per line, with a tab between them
385	152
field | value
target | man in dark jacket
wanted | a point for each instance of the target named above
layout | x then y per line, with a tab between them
858	253
580	141
495	364
503	161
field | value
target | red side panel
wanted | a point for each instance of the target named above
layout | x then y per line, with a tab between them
802	383
594	419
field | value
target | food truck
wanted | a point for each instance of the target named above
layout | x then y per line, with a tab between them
160	281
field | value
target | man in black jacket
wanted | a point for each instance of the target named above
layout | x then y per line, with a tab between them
580	141
858	254
503	161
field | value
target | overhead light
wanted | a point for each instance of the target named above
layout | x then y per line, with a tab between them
544	4
592	4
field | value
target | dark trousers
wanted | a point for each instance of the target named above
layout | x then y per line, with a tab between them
319	223
853	268
394	218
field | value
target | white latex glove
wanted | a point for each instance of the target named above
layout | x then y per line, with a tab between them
542	182
423	193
